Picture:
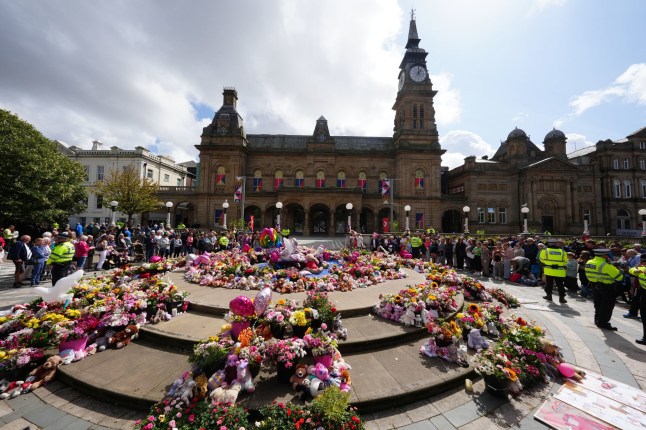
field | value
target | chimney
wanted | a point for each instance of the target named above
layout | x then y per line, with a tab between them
96	145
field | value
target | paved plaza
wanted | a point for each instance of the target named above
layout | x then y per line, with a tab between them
612	354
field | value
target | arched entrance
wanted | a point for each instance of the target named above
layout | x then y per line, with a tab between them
254	211
184	214
367	221
341	219
294	218
385	221
320	215
452	221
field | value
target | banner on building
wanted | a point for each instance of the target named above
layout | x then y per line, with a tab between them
385	225
219	217
237	189
251	222
385	187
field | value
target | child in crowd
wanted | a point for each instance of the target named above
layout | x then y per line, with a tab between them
571	268
529	279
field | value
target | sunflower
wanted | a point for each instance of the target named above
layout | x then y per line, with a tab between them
473	308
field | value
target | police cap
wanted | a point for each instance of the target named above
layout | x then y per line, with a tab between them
603	252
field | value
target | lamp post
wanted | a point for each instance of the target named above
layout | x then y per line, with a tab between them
349	207
525	211
586	232
642	212
225	206
407	209
113	205
279	206
466	211
168	205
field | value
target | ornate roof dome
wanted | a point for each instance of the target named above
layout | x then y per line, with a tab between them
517	133
555	135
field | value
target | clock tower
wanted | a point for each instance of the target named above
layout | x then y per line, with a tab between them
416	145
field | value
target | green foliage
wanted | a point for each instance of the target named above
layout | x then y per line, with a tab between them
37	182
394	225
134	194
332	404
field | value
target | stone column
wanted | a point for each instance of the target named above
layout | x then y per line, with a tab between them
306	223
568	202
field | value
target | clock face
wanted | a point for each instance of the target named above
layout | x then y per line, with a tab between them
402	79
418	73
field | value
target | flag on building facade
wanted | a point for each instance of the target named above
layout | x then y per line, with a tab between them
385	187
237	189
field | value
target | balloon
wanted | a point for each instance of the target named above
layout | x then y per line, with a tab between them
60	290
566	370
273	257
155	259
268	238
242	306
262	300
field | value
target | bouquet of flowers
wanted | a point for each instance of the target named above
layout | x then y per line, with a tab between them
497	363
320	301
285	351
211	352
443	331
474	289
11	360
299	318
69	329
321	343
503	297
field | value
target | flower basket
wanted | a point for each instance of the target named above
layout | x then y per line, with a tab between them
237	327
299	330
76	345
277	331
283	373
326	360
497	386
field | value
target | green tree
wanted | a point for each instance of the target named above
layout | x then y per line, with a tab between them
134	194
37	182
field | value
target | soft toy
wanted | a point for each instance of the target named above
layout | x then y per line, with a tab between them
67	355
453	355
409	316
226	394
312	264
43	373
124	337
231	369
160	316
476	341
492	330
429	348
172	391
103	342
13	390
398	311
244	376
188	391
201	386
319	379
338	329
298	378
345	381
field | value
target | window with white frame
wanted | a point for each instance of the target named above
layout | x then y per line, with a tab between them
502	215
615	163
626	164
623	219
179	182
166	177
628	189
642	144
616	188
481	215
587	215
99	201
100	170
491	215
149	173
86	170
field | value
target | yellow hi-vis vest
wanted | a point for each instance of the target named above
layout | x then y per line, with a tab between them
62	253
599	271
415	242
554	260
640	273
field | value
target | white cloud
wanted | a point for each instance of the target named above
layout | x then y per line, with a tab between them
539	5
520	117
576	141
630	87
448	109
461	142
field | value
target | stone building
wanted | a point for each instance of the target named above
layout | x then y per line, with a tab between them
318	177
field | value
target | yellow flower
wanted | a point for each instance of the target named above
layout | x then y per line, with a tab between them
32	323
2	355
460	315
432	297
225	327
73	313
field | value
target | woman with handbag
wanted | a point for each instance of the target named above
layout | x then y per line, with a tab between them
39	255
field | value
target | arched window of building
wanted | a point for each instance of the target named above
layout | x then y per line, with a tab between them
299	179
220	176
623	219
257	181
320	179
340	179
616	188
628	189
278	180
419	179
362	182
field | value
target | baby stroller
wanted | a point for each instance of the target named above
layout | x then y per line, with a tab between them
115	259
138	253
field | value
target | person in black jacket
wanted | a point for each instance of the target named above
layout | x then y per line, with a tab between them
20	253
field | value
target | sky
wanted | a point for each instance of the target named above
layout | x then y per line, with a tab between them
151	73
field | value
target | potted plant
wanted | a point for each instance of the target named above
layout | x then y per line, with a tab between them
282	355
320	301
299	322
322	346
211	354
497	369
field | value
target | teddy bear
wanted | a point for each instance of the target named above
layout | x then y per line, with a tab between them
476	341
338	329
14	389
492	330
299	377
346	381
226	394
319	379
408	318
67	356
43	373
124	337
243	375
429	348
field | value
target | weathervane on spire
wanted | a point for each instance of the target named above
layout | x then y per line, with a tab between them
412	14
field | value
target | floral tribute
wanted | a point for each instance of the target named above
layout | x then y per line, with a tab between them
347	270
101	307
223	368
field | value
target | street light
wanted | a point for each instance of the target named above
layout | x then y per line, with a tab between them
407	209
466	211
525	211
642	212
113	205
279	206
225	206
349	207
586	232
169	205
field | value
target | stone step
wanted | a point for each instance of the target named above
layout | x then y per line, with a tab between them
380	379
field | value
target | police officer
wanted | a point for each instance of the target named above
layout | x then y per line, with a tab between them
554	259
640	273
224	241
61	256
603	276
416	245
